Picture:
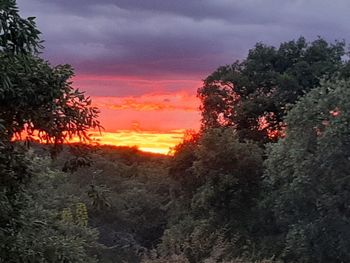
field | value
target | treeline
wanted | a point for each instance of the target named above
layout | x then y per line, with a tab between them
266	179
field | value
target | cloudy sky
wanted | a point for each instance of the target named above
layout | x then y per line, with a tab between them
143	60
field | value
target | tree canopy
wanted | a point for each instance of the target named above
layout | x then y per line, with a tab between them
37	99
307	176
253	94
34	96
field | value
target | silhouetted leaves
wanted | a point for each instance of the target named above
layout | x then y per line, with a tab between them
253	95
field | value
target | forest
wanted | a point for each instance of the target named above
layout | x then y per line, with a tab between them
266	178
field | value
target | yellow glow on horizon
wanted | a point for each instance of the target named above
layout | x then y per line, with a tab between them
154	150
147	141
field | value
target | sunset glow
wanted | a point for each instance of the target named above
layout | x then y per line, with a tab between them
147	141
151	122
150	112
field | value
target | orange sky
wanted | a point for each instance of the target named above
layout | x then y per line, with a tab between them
153	121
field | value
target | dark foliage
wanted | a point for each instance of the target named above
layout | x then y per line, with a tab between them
252	95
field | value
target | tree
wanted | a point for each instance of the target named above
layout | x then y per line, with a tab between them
181	164
223	207
232	171
17	35
307	177
35	97
252	95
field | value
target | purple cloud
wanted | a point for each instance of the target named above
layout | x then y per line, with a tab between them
157	38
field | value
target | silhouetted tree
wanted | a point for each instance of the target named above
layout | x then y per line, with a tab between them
252	94
35	97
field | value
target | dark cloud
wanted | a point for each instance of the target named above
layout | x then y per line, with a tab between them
165	37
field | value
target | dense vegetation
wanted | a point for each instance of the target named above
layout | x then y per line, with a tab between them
266	179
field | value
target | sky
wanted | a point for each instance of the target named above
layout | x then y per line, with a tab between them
142	61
